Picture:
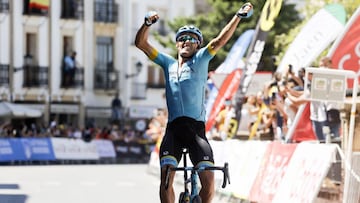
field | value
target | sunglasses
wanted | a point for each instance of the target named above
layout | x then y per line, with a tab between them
185	38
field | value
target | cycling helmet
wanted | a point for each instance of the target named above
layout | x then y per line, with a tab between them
189	29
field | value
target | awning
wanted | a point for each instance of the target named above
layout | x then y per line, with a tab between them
11	110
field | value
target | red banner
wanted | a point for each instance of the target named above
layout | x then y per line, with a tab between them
303	130
276	160
345	53
227	90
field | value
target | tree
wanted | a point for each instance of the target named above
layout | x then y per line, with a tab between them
212	21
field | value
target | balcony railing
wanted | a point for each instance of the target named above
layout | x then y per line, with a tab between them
106	79
106	12
36	76
4	6
76	82
4	75
72	9
138	90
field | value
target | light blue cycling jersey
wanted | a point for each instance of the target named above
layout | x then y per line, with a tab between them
185	90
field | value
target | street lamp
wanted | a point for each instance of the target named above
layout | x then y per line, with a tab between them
138	67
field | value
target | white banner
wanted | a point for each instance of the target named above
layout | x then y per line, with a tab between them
314	37
105	148
74	149
244	158
305	173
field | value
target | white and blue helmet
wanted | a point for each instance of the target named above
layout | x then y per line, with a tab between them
189	29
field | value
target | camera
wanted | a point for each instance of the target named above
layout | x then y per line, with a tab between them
290	68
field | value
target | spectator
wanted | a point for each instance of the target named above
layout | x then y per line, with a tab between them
249	113
225	123
69	69
317	109
333	120
116	105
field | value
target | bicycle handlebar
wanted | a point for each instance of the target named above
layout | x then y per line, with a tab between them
224	169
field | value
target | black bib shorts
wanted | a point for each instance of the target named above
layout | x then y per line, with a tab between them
185	132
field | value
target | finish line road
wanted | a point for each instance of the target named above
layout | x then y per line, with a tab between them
135	183
78	184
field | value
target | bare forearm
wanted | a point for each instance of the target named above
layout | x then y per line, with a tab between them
225	34
141	37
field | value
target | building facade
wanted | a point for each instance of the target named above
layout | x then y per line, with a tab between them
35	40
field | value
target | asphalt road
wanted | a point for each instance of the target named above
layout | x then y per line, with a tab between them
79	184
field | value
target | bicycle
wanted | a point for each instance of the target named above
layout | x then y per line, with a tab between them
192	195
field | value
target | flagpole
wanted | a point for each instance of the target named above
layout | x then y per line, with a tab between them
48	113
11	54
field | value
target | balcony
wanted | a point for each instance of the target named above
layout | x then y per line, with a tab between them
4	6
36	76
76	82
72	9
106	12
106	79
4	75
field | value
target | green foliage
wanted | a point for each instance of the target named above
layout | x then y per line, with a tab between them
287	25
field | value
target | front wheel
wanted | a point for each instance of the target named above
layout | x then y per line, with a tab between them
197	199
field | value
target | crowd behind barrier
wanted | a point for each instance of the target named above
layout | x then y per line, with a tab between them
271	112
119	142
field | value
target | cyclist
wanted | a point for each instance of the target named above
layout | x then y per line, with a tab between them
186	80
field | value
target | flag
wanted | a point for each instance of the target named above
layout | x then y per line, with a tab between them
227	90
269	13
317	34
39	4
233	60
301	128
345	52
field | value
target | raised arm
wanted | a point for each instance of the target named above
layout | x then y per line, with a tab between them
142	35
218	42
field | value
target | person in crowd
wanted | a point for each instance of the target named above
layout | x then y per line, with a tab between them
186	79
317	108
264	118
333	120
116	112
225	123
249	112
69	69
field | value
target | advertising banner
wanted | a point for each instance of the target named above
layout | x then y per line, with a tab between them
11	150
317	34
272	171
37	149
74	149
305	173
227	90
345	52
267	19
233	60
105	148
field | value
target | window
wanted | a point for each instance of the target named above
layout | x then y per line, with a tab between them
106	77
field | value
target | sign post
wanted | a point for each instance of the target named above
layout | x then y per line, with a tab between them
330	85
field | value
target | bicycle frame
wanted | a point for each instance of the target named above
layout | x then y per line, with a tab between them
193	195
